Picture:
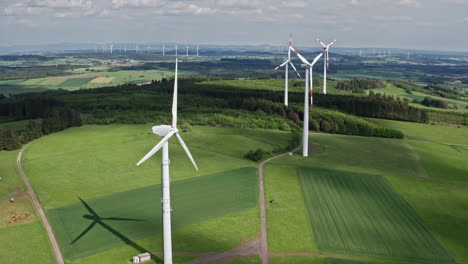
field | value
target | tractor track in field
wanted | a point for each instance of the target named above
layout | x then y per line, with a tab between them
50	233
259	246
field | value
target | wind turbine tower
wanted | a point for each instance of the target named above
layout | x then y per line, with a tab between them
186	47
197	50
111	47
176	50
167	132
164	50
309	81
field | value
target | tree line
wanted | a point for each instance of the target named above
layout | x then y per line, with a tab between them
50	117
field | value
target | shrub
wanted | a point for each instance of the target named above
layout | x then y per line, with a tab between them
256	155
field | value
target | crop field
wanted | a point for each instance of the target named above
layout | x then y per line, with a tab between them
75	82
23	239
361	214
193	200
98	79
431	178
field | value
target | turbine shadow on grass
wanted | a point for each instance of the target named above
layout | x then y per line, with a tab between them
99	220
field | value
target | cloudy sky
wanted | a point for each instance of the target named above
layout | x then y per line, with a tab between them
420	24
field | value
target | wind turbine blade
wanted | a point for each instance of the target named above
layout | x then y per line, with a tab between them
282	64
186	150
174	99
300	56
321	43
331	43
292	65
156	148
317	58
83	233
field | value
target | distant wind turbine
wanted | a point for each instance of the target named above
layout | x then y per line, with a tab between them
326	62
287	63
167	132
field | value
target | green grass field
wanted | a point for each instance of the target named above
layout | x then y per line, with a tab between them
193	200
75	82
15	125
98	164
426	132
22	241
361	214
436	194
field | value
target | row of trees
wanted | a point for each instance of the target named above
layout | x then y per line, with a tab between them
359	84
329	121
432	102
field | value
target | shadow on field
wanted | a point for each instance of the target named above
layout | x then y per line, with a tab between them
99	220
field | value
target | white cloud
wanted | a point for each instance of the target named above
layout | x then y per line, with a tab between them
294	4
409	3
20	9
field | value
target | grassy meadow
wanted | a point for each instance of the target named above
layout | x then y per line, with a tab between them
426	132
23	240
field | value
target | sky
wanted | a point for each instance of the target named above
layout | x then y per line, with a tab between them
412	24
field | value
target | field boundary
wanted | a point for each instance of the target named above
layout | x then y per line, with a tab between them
50	233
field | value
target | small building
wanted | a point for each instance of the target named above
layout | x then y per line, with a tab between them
143	257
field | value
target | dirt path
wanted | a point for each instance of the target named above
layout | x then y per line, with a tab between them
264	254
38	206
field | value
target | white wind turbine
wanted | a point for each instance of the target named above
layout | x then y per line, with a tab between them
308	65
287	63
326	62
197	50
167	132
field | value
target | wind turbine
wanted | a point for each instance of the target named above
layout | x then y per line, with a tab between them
111	48
287	63
326	62
308	65
186	54
197	50
167	132
164	50
176	50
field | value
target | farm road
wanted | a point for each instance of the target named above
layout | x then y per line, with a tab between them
50	233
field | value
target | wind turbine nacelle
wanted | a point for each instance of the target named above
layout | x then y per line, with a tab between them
161	130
